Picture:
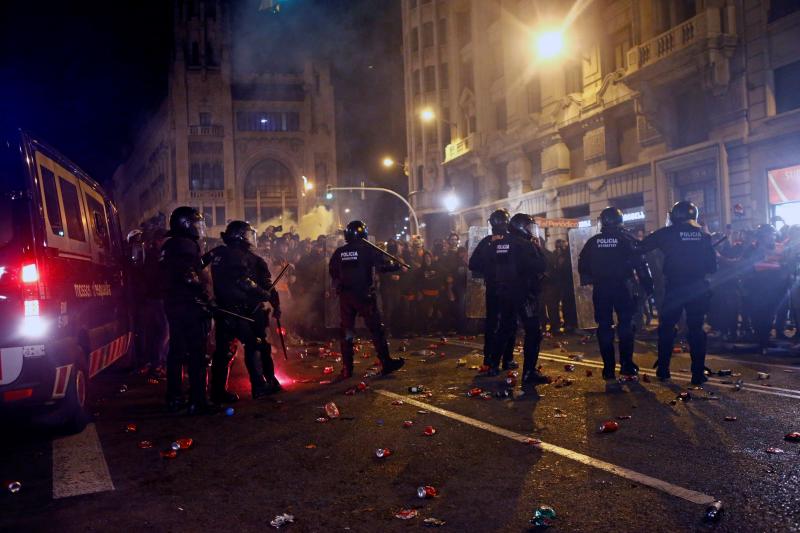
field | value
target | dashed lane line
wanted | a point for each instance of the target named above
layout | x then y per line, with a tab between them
643	479
677	375
79	465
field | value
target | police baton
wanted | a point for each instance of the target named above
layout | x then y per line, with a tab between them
387	254
283	340
225	311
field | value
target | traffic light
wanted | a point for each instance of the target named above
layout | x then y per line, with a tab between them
328	192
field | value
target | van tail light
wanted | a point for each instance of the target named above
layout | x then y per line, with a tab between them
30	274
31	307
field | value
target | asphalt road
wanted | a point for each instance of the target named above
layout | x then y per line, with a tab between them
273	456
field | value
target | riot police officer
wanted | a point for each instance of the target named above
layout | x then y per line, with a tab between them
186	300
764	282
611	263
242	283
517	267
351	268
688	258
480	264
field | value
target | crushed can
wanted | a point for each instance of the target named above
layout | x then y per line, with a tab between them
609	426
511	381
429	431
461	362
433	522
123	388
684	397
724	372
169	454
281	520
327	370
184	443
569	367
763	375
773	450
362	386
331	410
475	391
380	453
730	419
398	402
145	444
13	486
322	419
543	516
408	423
131	428
794	436
416	389
427	491
350	392
175	446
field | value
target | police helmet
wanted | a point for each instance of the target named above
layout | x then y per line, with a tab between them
186	221
520	224
683	211
134	235
611	218
767	234
499	221
239	232
355	230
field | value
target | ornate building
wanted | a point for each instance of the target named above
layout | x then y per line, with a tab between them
233	143
649	102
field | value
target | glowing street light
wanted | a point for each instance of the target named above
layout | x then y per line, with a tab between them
346	209
307	185
451	202
427	115
549	44
387	162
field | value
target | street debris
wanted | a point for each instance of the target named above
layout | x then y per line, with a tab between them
184	443
380	453
429	431
714	512
131	428
560	382
331	410
543	516
730	419
774	450
609	426
576	356
624	417
229	411
408	423
461	362
684	397
13	486
406	514
281	520
569	368
646	378
398	402
311	446
169	454
145	444
427	491
588	373
416	389
532	442
794	436
475	391
327	370
433	522
123	388
322	419
175	446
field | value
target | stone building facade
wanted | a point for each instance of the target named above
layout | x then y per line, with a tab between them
652	101
236	145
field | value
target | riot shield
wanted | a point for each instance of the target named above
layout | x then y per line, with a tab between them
475	296
583	295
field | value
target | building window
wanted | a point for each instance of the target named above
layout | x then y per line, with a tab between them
620	43
442	31
444	76
208	215
205	119
781	8
534	90
573	77
414	38
427	34
72	210
206	176
787	87
430	79
500	116
219	213
467	79
415	83
267	121
463	28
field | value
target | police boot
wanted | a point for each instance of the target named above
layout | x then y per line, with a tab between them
662	369
390	365
269	370
219	382
258	383
534	377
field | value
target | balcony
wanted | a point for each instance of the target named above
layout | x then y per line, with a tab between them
701	45
207	194
458	148
206	131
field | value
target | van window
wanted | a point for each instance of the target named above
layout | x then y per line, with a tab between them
97	216
51	201
72	209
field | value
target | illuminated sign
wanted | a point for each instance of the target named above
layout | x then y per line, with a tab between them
784	185
632	216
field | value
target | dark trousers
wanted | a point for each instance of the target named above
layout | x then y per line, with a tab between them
154	333
764	302
351	305
515	310
257	351
609	298
188	326
694	299
490	325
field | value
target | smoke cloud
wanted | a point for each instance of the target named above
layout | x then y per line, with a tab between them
318	221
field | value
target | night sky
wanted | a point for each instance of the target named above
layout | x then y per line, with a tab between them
84	75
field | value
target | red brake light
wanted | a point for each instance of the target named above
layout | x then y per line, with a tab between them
30	274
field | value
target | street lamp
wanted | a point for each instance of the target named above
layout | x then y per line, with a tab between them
549	44
451	202
427	115
387	162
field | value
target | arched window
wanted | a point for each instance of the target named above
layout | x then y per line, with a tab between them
270	179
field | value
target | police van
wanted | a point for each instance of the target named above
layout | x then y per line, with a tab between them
63	315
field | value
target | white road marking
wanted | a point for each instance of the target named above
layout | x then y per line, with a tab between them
664	486
677	375
79	466
721	358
